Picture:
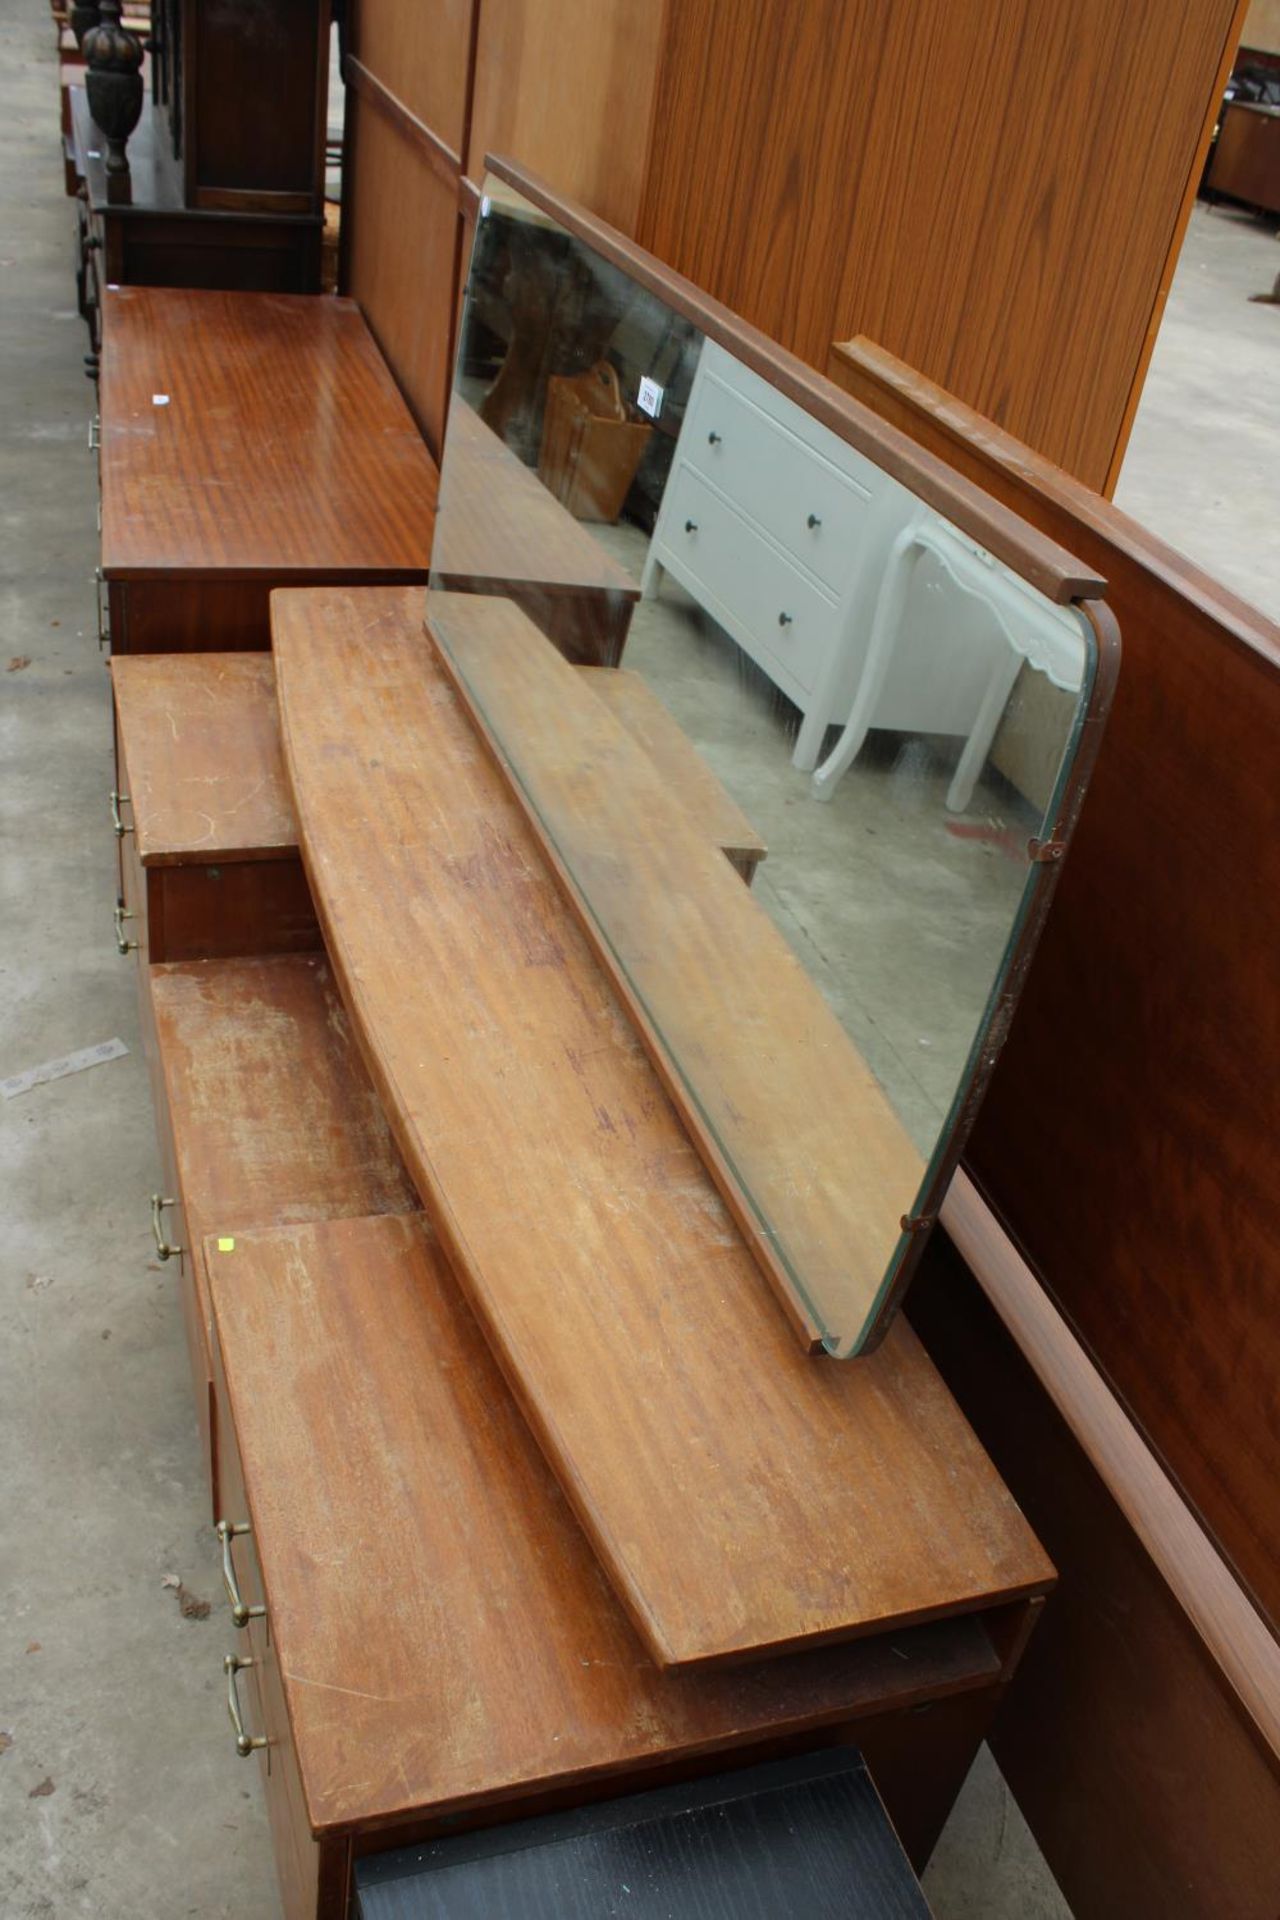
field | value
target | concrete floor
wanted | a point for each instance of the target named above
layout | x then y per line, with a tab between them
1202	467
120	1793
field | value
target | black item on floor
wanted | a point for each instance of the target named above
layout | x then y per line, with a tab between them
805	1837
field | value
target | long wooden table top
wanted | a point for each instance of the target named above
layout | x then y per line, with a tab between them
444	1635
499	526
743	1496
255	435
783	1100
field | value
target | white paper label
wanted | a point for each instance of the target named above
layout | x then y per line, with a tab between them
159	399
649	398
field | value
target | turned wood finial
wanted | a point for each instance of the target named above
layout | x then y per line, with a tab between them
113	84
83	15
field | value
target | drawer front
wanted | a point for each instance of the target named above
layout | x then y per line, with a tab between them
818	513
787	625
231	911
313	1879
169	1224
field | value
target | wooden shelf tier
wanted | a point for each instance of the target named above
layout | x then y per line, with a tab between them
743	1497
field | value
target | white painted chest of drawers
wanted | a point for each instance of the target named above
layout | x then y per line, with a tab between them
779	530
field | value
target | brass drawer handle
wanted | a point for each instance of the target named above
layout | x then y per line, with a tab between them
228	1530
119	800
245	1743
123	945
163	1250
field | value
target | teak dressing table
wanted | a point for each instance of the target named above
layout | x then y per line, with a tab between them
528	1492
247	441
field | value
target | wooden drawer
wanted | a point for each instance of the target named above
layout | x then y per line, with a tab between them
781	618
265	1113
792	488
209	855
405	1519
260	1695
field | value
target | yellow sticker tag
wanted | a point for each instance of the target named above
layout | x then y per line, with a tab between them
226	1246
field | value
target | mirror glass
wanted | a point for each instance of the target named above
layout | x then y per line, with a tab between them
792	737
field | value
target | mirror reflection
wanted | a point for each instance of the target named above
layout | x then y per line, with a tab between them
791	734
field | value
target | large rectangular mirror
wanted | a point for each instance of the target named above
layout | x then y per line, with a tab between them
802	721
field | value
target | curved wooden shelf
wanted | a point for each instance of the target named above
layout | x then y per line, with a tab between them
743	1497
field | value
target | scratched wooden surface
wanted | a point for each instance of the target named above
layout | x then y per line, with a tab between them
742	1496
272	1114
816	1161
255	434
201	738
443	1632
206	779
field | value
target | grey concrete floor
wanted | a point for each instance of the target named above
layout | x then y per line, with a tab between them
1202	467
120	1793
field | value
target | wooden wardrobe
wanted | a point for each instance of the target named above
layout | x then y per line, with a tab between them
994	192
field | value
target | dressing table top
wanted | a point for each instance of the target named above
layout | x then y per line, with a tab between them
743	1497
255	435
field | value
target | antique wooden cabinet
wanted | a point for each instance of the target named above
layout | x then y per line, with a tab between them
226	184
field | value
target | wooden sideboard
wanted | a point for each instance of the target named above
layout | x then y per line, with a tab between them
247	441
1246	157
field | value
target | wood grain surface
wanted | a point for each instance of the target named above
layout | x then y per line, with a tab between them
995	192
1144	1195
407	291
206	777
744	1497
424	57
1144	1784
281	450
443	1633
810	1157
568	88
203	733
273	1117
679	764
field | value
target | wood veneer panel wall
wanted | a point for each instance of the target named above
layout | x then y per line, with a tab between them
993	189
566	87
1144	1783
422	53
1128	1136
402	258
408	106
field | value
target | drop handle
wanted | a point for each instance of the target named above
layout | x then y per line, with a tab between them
784	620
123	944
713	439
241	1612
691	526
246	1743
165	1250
813	521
